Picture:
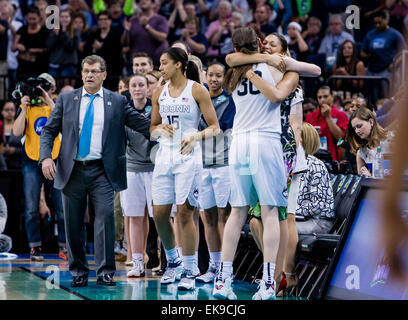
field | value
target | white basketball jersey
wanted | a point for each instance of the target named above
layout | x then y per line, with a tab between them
255	112
181	112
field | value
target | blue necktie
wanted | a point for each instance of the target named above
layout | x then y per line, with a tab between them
86	133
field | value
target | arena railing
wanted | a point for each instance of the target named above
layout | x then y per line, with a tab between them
370	82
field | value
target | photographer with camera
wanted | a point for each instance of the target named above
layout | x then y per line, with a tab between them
36	106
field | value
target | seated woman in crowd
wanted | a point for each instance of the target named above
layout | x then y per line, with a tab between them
364	135
348	64
12	148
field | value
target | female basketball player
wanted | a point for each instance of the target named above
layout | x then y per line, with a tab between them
138	195
256	165
215	187
273	46
177	106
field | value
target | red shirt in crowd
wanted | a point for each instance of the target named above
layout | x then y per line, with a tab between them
340	118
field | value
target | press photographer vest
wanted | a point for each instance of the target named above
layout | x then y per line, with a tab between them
36	118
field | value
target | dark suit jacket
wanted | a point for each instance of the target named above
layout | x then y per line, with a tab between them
65	119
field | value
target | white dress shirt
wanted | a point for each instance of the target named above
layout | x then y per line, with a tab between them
97	128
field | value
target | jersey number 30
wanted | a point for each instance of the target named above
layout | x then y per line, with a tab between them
246	83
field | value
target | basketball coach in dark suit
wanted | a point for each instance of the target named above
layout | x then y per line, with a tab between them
91	163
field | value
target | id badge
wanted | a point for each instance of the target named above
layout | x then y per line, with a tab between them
323	143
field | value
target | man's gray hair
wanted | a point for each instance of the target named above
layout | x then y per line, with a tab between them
94	59
337	17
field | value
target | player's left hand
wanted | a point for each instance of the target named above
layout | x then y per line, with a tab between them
187	144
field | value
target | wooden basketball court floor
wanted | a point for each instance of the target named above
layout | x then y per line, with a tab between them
22	279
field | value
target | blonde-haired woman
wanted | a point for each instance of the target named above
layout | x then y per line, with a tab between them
316	205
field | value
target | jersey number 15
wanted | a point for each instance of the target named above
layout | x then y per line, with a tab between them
174	121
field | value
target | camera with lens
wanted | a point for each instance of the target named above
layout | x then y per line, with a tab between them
30	88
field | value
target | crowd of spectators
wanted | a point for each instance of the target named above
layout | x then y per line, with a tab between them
132	35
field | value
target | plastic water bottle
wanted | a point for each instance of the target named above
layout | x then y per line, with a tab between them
378	164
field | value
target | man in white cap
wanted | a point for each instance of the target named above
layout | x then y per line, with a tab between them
296	44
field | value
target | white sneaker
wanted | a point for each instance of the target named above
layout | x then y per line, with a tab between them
173	272
137	270
266	291
187	281
223	289
209	276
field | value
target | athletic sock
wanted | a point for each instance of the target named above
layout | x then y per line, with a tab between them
215	258
172	255
268	272
137	257
188	262
225	270
180	252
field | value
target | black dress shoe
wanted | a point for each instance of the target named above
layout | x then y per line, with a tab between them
79	281
106	280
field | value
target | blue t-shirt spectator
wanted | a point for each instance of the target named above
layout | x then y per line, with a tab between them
384	45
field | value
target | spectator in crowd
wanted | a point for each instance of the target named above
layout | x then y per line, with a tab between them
224	13
30	122
261	21
3	165
193	37
12	62
105	42
332	41
398	10
309	105
81	29
296	44
12	149
315	204
348	108
178	18
312	34
380	46
358	102
30	42
338	102
117	16
222	39
142	63
79	7
347	64
153	78
330	122
364	135
240	6
42	7
4	28
62	45
387	113
147	32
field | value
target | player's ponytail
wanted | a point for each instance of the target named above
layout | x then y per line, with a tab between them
245	41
